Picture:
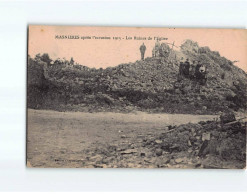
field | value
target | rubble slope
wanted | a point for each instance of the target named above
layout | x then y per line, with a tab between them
148	85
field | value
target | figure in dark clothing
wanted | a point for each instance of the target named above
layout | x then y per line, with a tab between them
192	70
197	72
142	50
181	69
201	73
161	52
187	68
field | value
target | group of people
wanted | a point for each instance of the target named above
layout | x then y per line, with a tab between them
195	71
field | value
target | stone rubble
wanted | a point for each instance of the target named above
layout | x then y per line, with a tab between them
202	145
148	85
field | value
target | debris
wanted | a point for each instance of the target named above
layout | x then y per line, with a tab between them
209	140
174	148
142	154
227	117
159	152
205	136
166	160
157	141
129	151
90	166
96	158
179	160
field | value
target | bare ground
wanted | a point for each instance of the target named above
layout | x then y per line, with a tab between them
66	139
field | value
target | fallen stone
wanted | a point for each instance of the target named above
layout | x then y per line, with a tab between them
97	157
131	165
142	154
174	147
216	134
140	136
227	117
192	130
129	151
89	166
157	141
192	139
198	112
166	160
179	160
102	166
171	127
197	143
206	136
158	152
166	128
198	165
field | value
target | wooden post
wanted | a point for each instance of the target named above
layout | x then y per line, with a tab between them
173	44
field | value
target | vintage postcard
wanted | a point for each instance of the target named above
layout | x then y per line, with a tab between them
125	97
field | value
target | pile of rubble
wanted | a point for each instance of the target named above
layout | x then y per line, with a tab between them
210	144
148	85
227	142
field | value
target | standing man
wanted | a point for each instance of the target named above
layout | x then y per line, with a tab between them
181	69
197	71
192	70
142	50
203	72
187	68
157	48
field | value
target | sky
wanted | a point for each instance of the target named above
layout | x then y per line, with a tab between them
62	42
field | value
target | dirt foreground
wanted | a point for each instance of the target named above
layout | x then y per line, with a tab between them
67	139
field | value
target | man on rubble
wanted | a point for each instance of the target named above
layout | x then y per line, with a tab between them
192	70
153	52
157	48
197	72
187	68
181	69
157	44
201	73
161	51
142	50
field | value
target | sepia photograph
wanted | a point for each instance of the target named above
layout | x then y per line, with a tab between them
136	97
